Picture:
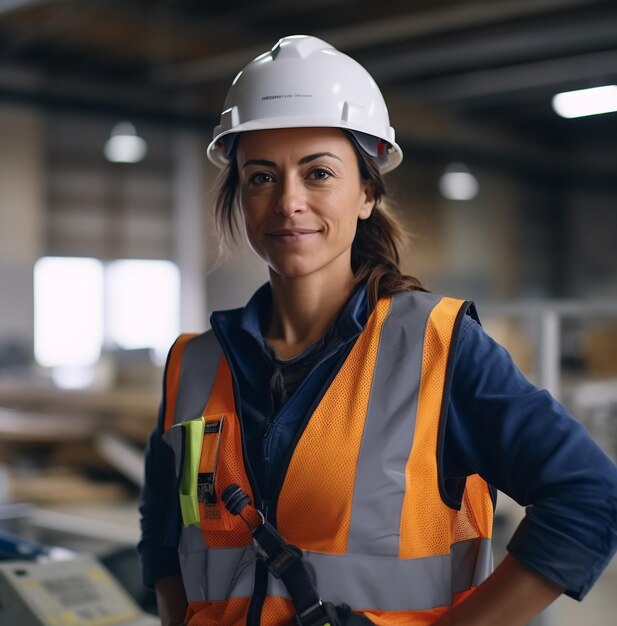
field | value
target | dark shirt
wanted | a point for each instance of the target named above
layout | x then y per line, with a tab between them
276	395
498	425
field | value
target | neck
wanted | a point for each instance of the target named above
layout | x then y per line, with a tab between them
303	309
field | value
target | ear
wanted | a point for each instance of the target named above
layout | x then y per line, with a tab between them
368	201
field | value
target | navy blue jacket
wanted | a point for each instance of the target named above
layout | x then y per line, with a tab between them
517	437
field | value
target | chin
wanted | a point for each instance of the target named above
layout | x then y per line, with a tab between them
293	268
290	273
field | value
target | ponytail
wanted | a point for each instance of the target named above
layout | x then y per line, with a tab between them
375	256
375	252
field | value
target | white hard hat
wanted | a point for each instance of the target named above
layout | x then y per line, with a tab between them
305	82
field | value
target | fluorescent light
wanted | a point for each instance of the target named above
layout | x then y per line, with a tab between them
68	311
583	102
124	145
458	183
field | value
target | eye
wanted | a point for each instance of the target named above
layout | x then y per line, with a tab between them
320	173
260	178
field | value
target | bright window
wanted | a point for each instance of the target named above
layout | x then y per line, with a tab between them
81	304
68	311
142	304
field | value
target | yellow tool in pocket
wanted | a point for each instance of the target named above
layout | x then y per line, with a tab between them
197	484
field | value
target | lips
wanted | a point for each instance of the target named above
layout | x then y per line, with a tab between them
292	235
286	232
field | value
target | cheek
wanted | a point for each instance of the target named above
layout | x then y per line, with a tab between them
352	215
249	214
251	231
249	227
350	230
254	208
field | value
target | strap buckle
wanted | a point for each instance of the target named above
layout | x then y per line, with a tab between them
320	614
279	556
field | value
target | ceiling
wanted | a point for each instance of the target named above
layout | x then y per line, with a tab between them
491	64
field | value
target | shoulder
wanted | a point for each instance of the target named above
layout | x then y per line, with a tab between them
481	363
415	297
416	305
197	342
190	352
423	298
472	349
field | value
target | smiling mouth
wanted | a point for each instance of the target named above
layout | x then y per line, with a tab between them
292	232
292	235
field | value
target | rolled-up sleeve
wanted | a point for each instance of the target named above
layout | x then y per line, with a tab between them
527	445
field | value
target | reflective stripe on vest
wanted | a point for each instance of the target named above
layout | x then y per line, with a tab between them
412	584
361	494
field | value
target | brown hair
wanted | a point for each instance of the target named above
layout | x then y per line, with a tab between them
375	252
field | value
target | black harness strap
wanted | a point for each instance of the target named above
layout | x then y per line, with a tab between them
284	561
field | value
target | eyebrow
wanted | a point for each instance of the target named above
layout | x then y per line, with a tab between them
302	161
312	157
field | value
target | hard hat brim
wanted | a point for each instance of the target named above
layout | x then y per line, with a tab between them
218	148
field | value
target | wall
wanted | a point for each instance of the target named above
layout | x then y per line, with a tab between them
22	220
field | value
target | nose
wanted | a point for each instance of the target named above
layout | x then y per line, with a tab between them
292	199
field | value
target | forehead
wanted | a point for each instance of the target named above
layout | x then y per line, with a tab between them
293	143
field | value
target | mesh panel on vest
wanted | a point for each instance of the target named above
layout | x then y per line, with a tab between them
232	612
428	526
476	515
277	612
465	526
413	618
221	529
427	523
315	514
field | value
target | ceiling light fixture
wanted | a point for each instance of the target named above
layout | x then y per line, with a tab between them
583	102
124	145
458	183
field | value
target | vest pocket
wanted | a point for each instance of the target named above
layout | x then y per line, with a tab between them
196	445
213	515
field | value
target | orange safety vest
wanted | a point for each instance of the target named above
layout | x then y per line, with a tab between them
361	495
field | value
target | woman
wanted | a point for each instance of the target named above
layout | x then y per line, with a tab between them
361	416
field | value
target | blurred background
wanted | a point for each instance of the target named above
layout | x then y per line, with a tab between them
106	248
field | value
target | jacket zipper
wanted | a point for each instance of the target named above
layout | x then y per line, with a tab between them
269	508
261	571
275	492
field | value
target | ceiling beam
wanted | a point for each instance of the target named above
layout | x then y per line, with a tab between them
362	35
537	41
6	6
499	83
95	97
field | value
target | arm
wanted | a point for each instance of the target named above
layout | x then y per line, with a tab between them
159	529
171	600
527	445
511	596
